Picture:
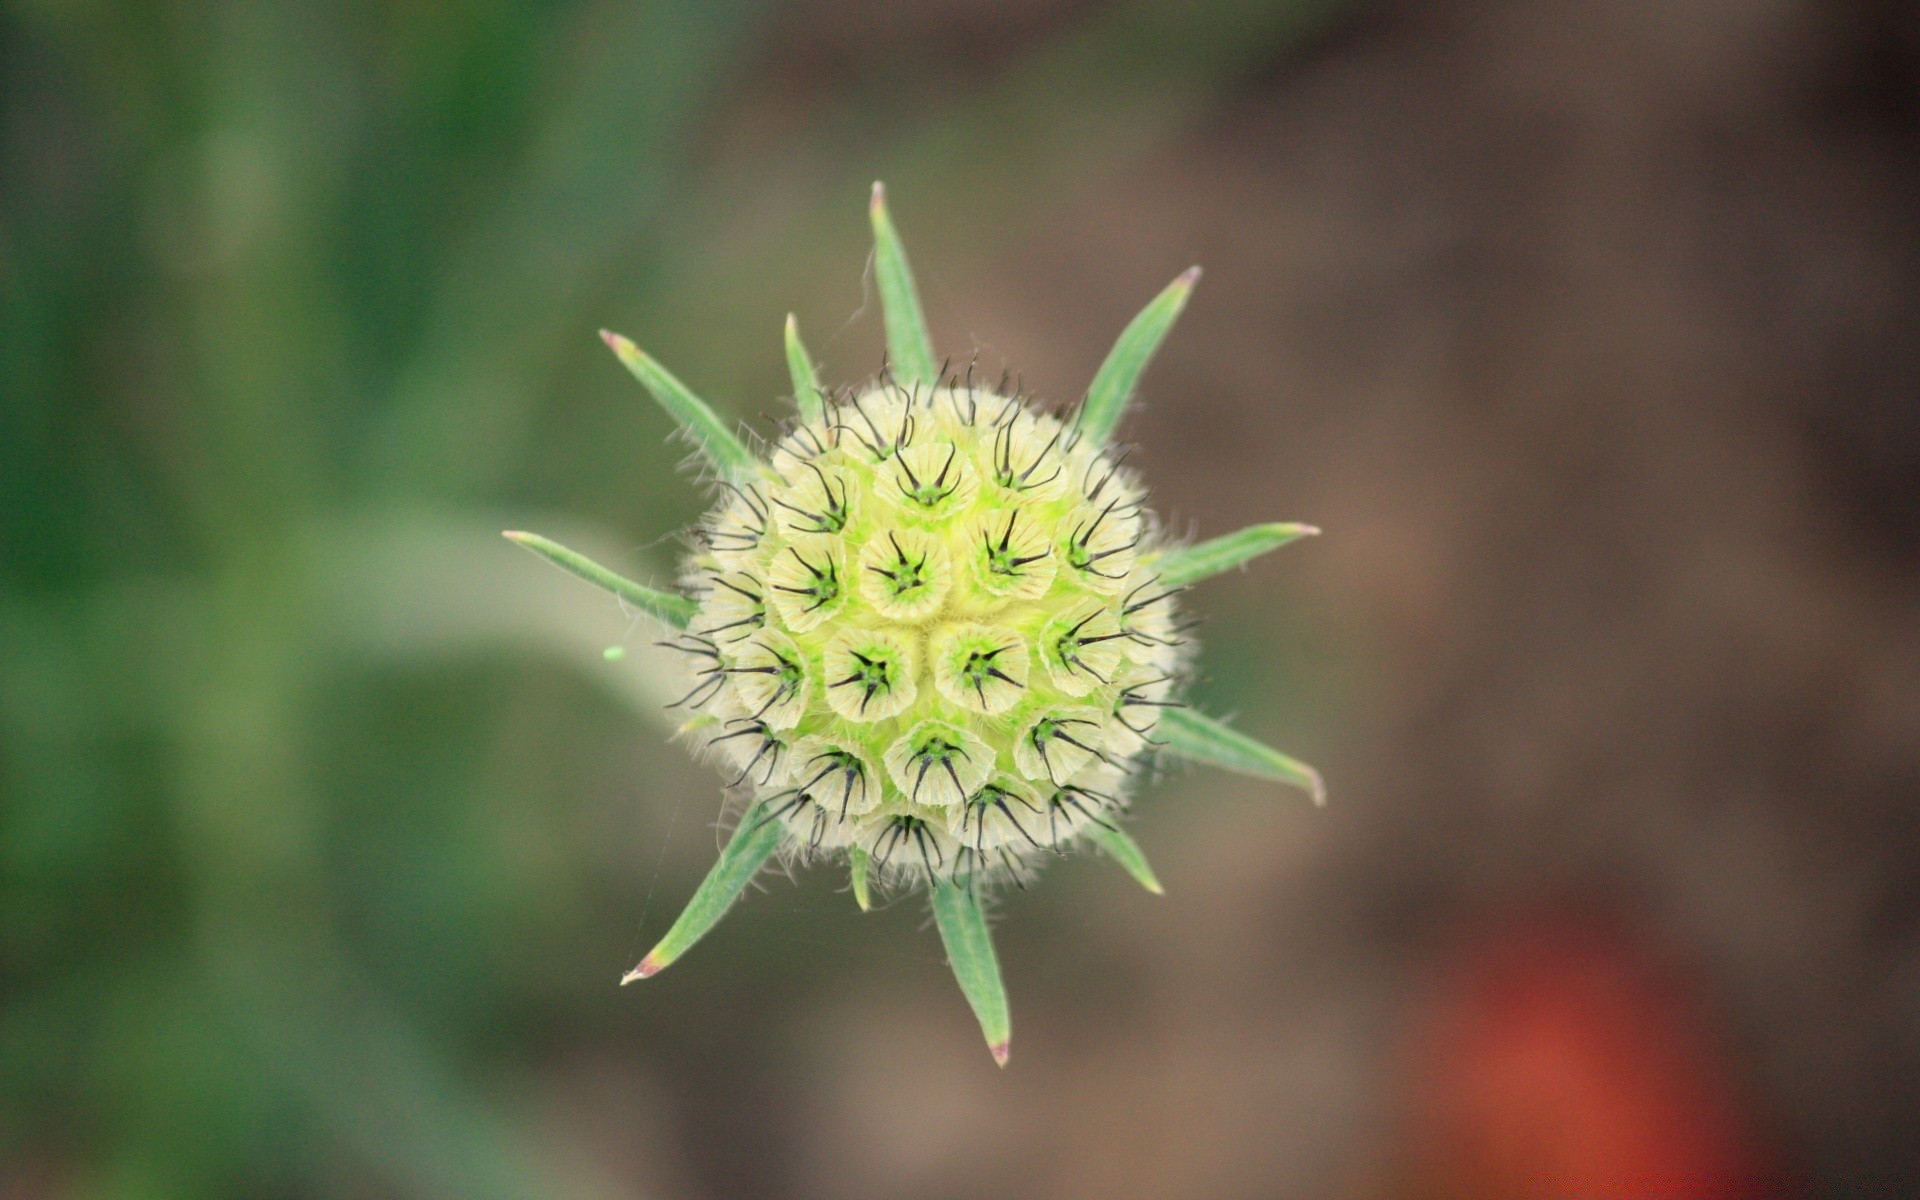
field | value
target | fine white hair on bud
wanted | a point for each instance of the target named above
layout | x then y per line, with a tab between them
934	630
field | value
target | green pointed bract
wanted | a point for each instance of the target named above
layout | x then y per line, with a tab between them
909	347
673	609
1202	739
1125	851
752	844
716	441
857	863
806	385
1112	387
963	930
1183	565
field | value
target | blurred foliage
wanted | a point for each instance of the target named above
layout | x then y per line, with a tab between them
297	881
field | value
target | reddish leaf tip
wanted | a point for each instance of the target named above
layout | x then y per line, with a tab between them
1000	1051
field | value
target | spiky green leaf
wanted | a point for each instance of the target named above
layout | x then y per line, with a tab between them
1182	565
715	440
1125	851
857	863
909	346
1113	383
1202	739
753	842
963	930
674	610
806	384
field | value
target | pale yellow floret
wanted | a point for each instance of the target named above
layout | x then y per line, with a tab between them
807	581
1083	647
871	673
768	679
938	763
905	574
1060	741
839	771
982	668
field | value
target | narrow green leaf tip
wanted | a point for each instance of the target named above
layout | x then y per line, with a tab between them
676	611
715	440
1202	739
857	862
753	842
963	930
806	384
1125	851
909	346
1183	565
1113	384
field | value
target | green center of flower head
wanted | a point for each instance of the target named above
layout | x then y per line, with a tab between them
933	630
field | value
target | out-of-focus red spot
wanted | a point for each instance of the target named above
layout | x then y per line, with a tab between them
1558	1061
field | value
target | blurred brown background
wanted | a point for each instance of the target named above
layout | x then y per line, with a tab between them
1590	334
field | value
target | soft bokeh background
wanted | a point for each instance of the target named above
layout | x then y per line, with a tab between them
1589	332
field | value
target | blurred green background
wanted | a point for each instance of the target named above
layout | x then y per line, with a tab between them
1587	332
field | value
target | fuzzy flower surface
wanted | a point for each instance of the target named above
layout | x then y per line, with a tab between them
927	633
934	630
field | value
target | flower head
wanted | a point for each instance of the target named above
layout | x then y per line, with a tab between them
924	630
934	629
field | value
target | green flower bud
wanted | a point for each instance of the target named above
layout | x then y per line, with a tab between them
951	583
